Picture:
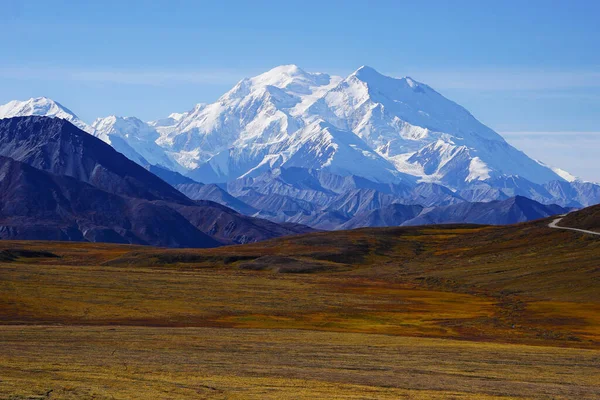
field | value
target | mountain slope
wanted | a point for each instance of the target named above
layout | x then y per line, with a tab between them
57	146
290	117
422	132
574	194
588	219
322	146
36	204
171	177
129	136
257	110
283	116
366	131
212	192
359	200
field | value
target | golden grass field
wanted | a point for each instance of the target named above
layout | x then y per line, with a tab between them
448	312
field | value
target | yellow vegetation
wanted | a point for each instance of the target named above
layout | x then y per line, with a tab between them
417	313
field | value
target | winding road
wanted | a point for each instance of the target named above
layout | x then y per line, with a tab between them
554	225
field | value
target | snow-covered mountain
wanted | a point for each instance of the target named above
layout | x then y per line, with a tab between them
129	136
421	132
263	123
42	106
367	124
383	130
258	111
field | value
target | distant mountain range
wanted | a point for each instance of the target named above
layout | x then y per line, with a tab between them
329	152
330	202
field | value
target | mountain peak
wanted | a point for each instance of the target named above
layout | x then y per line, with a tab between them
134	138
284	76
386	83
287	69
41	106
43	99
293	78
366	72
371	75
57	146
37	105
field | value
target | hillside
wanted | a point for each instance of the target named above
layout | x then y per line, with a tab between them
529	259
588	219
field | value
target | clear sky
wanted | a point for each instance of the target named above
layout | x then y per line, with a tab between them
528	68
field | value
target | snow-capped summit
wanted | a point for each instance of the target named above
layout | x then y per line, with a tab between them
256	111
257	124
381	107
367	124
372	76
422	132
41	106
296	82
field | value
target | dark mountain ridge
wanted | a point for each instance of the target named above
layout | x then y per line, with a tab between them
59	147
36	204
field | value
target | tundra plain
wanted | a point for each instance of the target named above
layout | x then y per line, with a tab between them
455	311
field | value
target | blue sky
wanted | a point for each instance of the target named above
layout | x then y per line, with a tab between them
530	67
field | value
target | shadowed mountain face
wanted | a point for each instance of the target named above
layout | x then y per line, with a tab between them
215	193
327	201
171	177
61	183
36	204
